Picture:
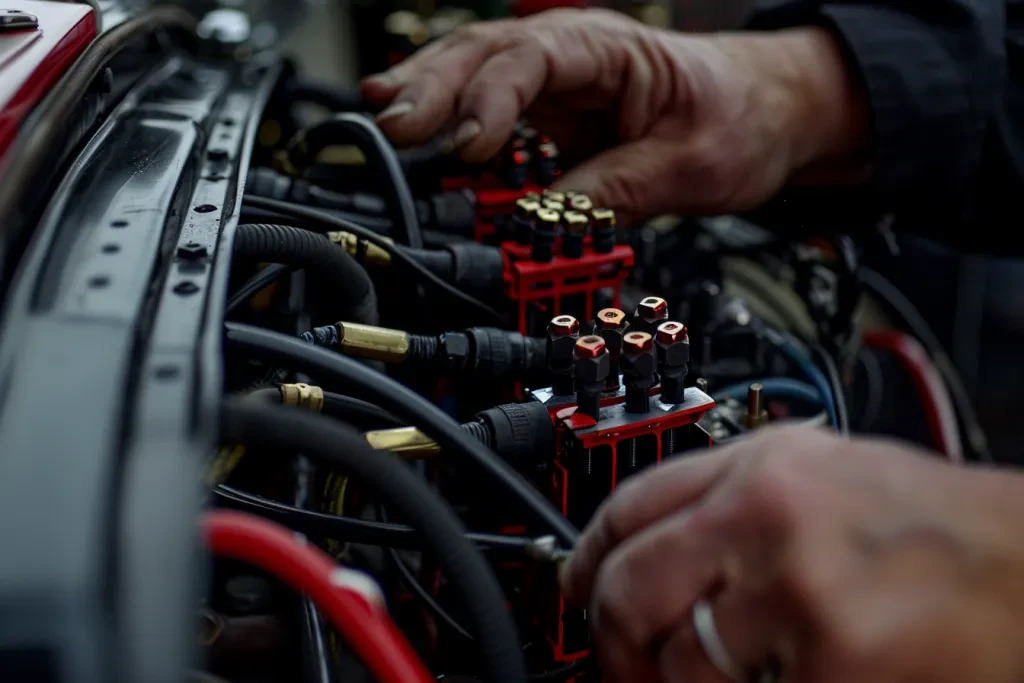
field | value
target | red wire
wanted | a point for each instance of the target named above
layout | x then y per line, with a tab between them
365	627
938	406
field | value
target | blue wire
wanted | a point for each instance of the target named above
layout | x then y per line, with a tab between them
774	387
816	376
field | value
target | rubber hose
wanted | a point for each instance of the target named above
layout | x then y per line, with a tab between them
406	404
359	413
381	158
438	261
396	486
352	287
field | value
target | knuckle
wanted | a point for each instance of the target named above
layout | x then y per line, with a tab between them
474	32
612	597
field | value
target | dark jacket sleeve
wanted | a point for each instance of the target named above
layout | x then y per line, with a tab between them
944	82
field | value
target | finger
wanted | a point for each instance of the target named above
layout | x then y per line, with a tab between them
649	583
643	500
629	178
497	95
428	91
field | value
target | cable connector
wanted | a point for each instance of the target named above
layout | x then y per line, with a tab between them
362	250
302	395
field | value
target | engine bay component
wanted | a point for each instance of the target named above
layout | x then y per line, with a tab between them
388	388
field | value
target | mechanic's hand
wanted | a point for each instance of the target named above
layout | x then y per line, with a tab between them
670	122
844	560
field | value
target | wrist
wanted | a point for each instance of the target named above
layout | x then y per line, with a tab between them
822	110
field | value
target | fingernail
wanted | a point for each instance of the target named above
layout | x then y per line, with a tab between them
466	131
395	110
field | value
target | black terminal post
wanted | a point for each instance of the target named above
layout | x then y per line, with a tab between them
603	227
610	324
523	219
574	228
639	361
563	331
673	345
650	312
591	368
545	232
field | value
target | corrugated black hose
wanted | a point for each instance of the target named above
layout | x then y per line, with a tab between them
251	423
351	286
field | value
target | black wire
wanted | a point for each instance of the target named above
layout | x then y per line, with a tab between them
353	530
904	309
409	580
257	283
397	254
380	157
400	400
396	485
838	390
875	387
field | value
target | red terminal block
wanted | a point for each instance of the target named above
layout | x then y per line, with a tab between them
593	457
545	278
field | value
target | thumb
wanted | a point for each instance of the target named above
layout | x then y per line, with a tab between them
634	179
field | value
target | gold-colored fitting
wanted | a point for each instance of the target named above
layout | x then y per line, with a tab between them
408	442
581	202
575	223
378	343
549	217
553	195
603	218
303	395
553	205
363	250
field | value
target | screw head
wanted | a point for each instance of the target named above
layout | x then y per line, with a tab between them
671	332
590	347
610	319
637	342
652	308
564	326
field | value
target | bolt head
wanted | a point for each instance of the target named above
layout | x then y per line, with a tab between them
526	208
575	223
652	309
610	319
590	347
548	218
671	332
603	219
563	326
581	202
556	206
554	195
637	342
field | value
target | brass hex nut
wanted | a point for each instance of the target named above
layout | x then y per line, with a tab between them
562	333
610	319
553	195
575	223
581	202
651	311
526	209
592	364
553	205
673	344
638	356
548	218
603	219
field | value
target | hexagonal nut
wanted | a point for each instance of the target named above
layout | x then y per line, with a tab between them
575	223
673	344
652	309
638	355
553	195
603	219
526	209
563	326
552	205
592	363
547	220
581	202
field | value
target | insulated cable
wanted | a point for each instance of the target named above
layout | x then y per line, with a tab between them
366	627
789	349
904	309
935	399
395	485
353	530
380	156
257	283
416	410
326	219
836	385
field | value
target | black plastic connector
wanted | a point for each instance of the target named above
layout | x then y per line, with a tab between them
487	352
521	433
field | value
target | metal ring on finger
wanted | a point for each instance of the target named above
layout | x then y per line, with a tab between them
716	652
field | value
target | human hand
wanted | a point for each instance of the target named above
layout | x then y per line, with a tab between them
843	560
666	122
